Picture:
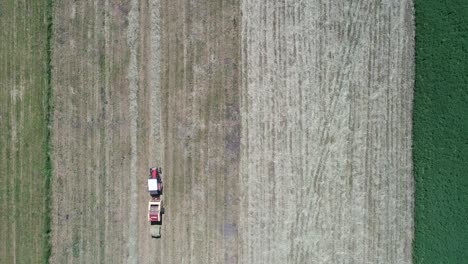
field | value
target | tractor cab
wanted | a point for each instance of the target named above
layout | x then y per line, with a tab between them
155	185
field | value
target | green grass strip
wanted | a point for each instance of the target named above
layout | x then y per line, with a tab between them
440	132
48	114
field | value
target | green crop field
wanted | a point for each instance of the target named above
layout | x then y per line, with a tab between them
24	107
441	132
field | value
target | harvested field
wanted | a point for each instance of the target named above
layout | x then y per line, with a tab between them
106	130
201	130
23	132
284	131
323	172
326	132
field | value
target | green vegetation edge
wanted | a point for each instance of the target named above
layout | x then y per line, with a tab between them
440	132
48	116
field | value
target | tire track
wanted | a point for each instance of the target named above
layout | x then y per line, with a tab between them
132	37
150	140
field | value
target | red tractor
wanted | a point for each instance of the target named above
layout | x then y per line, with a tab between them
155	205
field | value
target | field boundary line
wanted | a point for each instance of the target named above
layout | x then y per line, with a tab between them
48	111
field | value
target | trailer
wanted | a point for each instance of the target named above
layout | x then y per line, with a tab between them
155	209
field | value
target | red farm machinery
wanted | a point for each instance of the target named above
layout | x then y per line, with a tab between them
155	204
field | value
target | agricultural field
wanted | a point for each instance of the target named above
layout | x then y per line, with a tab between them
326	159
24	166
441	132
105	130
200	107
284	130
304	155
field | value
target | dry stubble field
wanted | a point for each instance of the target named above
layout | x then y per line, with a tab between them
284	130
106	129
326	132
319	168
